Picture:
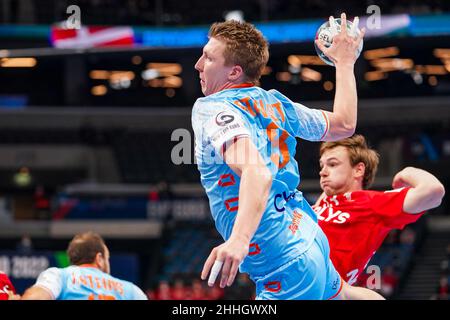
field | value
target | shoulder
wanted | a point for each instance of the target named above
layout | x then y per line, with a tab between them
204	108
361	196
133	290
138	294
398	190
363	193
277	94
51	274
209	105
212	111
374	194
351	198
53	271
282	98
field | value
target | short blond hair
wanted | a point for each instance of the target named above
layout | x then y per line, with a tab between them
245	46
358	151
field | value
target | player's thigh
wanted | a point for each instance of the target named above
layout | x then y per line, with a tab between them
303	278
333	281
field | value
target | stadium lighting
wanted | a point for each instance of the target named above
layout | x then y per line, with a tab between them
392	64
99	90
381	53
375	75
18	62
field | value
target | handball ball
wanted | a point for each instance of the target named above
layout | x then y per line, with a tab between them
325	33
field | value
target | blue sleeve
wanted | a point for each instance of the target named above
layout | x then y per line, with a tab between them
313	123
303	122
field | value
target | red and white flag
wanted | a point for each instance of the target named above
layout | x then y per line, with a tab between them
90	37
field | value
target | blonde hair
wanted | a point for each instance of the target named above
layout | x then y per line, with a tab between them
245	46
358	151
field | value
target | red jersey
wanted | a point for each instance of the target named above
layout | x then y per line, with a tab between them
356	224
5	287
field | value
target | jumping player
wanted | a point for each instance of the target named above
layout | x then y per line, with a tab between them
356	220
245	147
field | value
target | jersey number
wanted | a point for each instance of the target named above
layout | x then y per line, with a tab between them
101	297
278	140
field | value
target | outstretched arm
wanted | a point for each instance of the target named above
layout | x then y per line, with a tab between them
426	190
256	179
343	53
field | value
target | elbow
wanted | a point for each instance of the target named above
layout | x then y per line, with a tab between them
347	124
348	129
438	192
342	132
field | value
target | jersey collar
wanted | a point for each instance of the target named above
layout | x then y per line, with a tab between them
88	265
242	85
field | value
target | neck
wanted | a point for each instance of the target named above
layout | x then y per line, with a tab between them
354	186
227	85
231	85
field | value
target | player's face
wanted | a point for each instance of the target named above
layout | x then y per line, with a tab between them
211	66
337	175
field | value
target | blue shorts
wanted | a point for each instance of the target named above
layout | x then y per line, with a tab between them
311	276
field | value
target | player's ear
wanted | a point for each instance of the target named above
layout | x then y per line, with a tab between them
359	169
99	259
236	72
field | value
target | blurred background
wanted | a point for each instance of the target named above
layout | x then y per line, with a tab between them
87	116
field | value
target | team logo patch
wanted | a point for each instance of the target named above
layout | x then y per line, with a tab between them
222	119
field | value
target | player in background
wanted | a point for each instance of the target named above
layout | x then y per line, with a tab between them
7	290
356	220
245	148
87	278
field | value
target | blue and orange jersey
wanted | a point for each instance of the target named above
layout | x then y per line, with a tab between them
86	282
272	122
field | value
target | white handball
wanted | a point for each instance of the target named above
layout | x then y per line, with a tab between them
329	29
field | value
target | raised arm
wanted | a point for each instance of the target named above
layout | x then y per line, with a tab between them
426	190
256	180
343	53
